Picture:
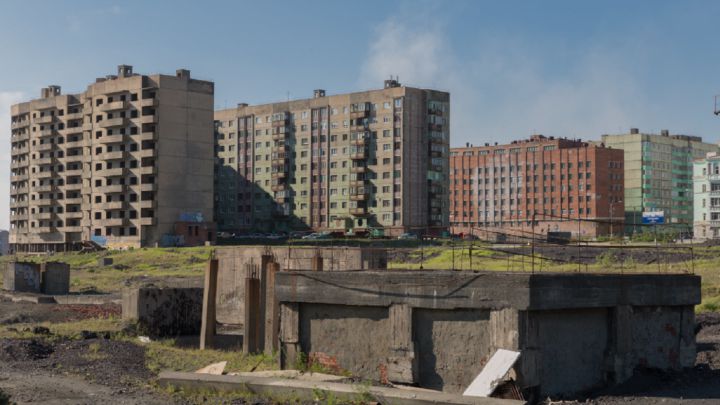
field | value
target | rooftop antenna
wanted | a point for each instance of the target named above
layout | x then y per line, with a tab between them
288	95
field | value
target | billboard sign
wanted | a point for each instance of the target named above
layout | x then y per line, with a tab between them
653	217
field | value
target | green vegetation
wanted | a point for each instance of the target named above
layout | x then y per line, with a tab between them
88	275
164	355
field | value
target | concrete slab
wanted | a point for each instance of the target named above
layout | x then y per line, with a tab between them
215	368
292	374
491	375
310	390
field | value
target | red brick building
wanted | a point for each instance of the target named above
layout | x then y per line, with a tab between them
499	188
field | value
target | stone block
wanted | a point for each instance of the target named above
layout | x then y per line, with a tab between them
22	277
55	278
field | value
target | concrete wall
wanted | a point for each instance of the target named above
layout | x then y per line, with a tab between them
438	329
164	311
55	278
22	277
232	262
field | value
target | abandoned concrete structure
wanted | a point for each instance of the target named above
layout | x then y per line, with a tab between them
234	262
437	329
367	160
52	278
119	163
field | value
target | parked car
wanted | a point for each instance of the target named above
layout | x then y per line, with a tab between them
318	235
407	236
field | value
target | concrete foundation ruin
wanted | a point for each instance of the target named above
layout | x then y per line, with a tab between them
437	329
52	278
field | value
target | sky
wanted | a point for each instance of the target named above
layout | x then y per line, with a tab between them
513	68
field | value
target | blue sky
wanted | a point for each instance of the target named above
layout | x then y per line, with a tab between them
564	68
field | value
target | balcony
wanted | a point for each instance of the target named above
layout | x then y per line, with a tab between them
46	133
45	188
359	114
114	106
113	122
46	119
17	165
73	201
149	102
43	161
359	196
359	211
19	177
45	215
278	137
19	204
19	217
144	153
19	124
147	221
74	116
19	191
111	189
71	229
278	187
44	229
112	205
357	183
148	119
21	151
115	155
360	142
44	174
360	155
72	130
72	186
20	137
118	171
44	147
113	221
358	169
74	144
73	214
105	139
279	175
72	172
148	136
148	187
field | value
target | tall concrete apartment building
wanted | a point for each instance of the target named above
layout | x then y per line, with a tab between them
706	202
121	163
357	162
658	175
563	185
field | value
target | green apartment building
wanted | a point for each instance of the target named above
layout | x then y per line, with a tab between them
659	175
356	162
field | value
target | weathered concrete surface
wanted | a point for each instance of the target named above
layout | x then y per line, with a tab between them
164	311
233	261
439	328
55	278
305	390
22	277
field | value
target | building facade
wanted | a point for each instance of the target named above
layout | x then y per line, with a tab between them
539	185
658	175
706	202
119	163
357	162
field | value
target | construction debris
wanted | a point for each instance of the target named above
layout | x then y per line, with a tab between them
215	368
492	374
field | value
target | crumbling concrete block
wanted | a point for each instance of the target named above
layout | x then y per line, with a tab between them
164	311
22	277
55	278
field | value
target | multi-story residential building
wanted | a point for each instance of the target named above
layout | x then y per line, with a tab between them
357	162
706	190
658	175
121	162
540	185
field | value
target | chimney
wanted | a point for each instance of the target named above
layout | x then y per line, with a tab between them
124	71
467	144
318	93
182	74
665	132
634	131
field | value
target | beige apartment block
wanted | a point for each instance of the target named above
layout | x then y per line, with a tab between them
359	162
119	163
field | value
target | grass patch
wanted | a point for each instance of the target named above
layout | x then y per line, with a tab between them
163	355
87	275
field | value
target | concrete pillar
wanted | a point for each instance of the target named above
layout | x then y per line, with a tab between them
403	361
289	335
265	261
251	336
317	263
272	310
208	325
618	360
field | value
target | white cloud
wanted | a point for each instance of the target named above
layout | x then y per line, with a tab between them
7	99
504	89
